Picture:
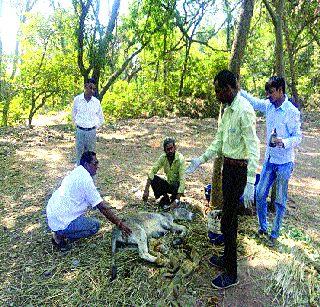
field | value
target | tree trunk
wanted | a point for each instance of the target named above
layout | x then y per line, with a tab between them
184	69
237	53
275	15
290	49
240	41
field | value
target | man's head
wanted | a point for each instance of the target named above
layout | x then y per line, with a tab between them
89	88
89	162
226	86
169	147
276	89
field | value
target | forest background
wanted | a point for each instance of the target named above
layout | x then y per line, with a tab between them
157	58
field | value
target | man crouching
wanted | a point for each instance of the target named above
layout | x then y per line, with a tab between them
173	164
68	204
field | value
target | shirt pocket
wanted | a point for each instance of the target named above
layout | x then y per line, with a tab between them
234	136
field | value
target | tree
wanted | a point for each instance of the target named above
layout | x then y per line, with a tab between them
8	92
46	70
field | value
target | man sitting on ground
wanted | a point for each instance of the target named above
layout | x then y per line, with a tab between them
173	164
68	204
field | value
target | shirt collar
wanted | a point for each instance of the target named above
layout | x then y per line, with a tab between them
235	102
284	105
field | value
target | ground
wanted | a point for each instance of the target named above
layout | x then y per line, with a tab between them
33	162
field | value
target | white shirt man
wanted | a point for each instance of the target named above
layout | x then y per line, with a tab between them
87	116
68	204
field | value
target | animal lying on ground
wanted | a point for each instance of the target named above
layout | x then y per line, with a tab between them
145	225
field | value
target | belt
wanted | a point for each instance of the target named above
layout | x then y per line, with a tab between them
86	129
235	162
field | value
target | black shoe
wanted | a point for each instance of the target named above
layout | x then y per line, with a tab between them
219	240
262	232
224	281
272	242
62	246
164	201
217	262
213	235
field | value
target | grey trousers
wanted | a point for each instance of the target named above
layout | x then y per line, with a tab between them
85	140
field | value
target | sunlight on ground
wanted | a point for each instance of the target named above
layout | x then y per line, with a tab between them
29	155
308	184
116	203
69	276
260	256
31	228
30	209
312	154
9	221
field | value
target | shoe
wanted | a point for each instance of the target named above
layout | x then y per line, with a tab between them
224	281
219	240
62	246
272	242
217	262
164	201
213	235
262	233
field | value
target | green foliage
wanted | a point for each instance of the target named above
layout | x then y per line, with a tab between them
48	75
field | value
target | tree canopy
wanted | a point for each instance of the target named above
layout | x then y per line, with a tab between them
157	58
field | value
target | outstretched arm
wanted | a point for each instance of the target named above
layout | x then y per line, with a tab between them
107	212
257	103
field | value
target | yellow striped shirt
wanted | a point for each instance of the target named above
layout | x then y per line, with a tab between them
236	136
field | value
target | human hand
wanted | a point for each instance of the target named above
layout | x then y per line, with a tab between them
194	164
279	142
248	195
126	231
175	204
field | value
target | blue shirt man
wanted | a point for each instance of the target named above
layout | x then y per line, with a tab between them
283	118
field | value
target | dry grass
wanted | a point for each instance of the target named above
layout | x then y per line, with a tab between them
32	273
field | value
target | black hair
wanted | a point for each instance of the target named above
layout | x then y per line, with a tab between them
276	82
168	141
90	80
87	156
226	77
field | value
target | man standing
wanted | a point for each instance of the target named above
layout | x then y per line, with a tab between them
173	165
283	134
237	142
68	204
87	115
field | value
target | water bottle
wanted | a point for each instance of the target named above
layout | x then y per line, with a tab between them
273	136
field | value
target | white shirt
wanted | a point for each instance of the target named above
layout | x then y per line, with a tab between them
72	199
87	114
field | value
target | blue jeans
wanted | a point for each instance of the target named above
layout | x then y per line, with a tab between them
281	174
81	227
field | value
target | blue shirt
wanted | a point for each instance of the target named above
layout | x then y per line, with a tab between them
286	120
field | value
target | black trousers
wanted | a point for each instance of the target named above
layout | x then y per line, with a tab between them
234	180
161	187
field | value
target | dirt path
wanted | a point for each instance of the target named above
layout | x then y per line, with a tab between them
32	163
